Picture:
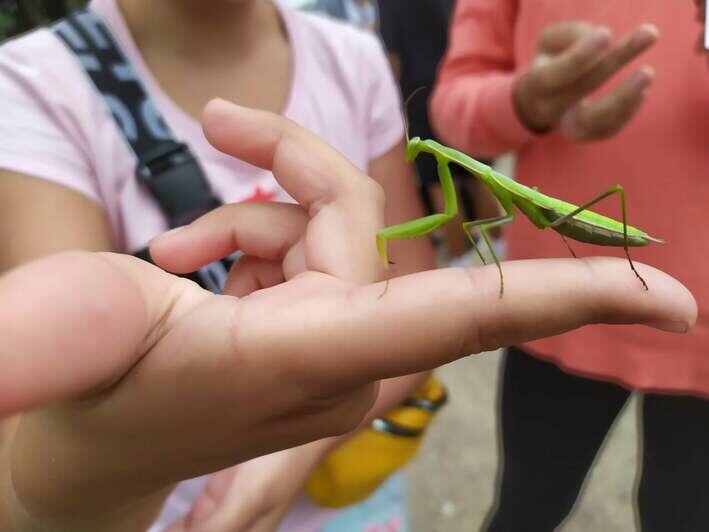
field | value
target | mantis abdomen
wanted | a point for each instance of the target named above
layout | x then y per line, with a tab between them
583	231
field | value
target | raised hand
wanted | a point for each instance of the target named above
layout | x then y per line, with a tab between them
573	59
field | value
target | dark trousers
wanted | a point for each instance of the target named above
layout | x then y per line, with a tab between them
552	426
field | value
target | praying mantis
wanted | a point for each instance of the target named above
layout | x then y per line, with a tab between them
572	221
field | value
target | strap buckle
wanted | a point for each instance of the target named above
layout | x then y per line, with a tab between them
177	182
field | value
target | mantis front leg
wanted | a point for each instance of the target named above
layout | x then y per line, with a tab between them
422	226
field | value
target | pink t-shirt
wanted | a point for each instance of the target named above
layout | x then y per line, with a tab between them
55	126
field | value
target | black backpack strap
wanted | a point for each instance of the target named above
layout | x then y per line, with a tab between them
167	167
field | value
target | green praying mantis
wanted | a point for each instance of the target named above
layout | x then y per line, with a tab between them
575	222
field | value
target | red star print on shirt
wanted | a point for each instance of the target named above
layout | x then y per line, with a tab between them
259	195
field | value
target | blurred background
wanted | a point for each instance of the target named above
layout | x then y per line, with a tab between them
20	16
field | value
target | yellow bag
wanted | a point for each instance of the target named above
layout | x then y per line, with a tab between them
351	472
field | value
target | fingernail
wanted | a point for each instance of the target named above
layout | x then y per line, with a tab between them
599	39
642	78
670	326
644	36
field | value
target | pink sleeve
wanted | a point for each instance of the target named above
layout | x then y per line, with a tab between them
471	107
385	125
40	135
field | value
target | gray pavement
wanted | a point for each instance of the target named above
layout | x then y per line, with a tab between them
451	483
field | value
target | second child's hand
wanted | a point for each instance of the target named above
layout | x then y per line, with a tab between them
573	59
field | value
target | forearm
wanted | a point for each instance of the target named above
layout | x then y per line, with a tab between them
60	219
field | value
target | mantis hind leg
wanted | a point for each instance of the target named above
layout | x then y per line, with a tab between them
484	225
568	246
618	189
475	246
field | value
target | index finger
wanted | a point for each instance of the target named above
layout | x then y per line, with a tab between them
431	318
559	37
265	230
558	71
628	49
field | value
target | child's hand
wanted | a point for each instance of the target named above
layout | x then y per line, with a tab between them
574	59
131	379
253	496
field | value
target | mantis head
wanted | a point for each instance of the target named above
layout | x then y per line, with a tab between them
413	147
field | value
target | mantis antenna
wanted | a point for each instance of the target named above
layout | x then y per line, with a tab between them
404	111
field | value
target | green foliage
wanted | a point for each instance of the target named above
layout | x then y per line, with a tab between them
8	17
19	16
